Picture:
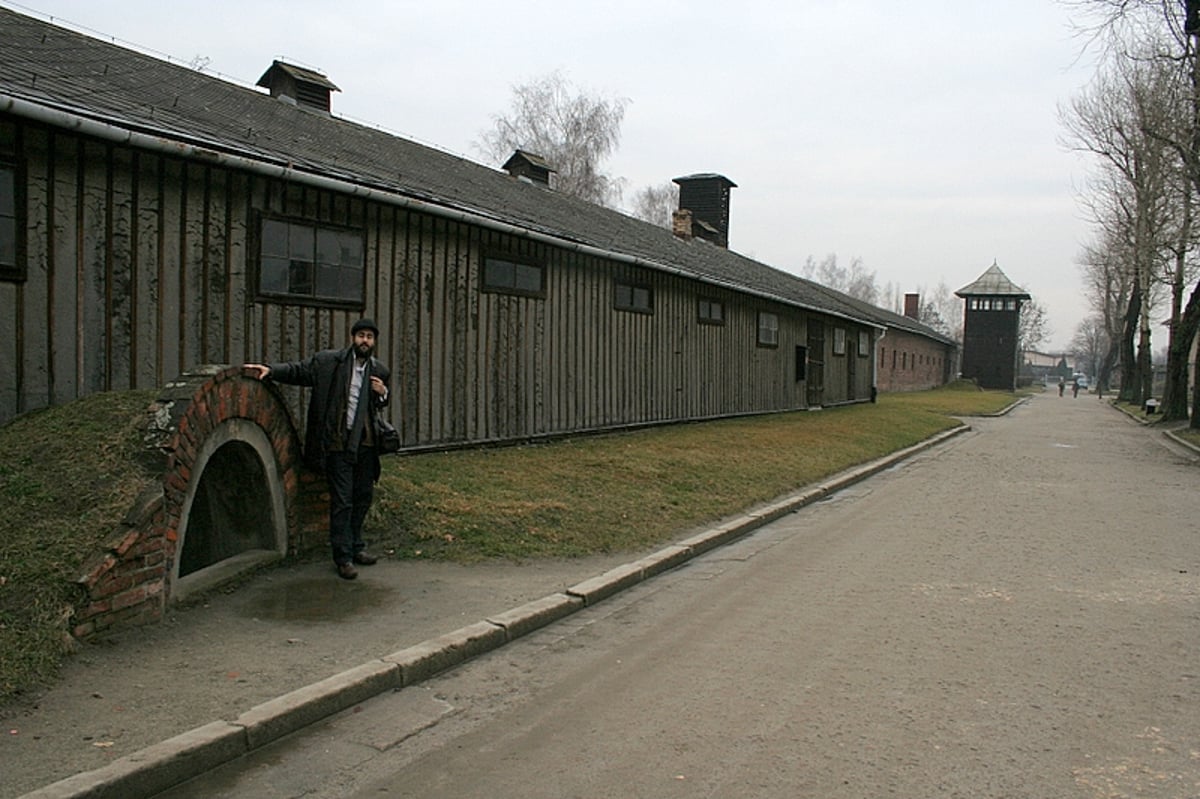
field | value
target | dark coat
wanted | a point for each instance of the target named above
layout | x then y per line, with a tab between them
326	372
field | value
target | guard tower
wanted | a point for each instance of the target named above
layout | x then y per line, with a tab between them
990	325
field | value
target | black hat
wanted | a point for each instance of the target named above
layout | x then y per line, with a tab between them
365	324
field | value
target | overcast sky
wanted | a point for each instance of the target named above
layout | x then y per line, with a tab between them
919	136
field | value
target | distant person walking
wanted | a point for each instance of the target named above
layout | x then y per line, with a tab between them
1075	388
1062	383
349	387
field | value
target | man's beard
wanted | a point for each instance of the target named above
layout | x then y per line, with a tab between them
364	351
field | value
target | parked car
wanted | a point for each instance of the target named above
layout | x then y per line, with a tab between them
1082	380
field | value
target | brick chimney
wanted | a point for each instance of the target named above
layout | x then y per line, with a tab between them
706	195
299	86
681	224
912	306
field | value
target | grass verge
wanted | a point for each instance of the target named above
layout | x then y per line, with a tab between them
68	474
1190	435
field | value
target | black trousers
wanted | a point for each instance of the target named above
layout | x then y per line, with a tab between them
351	477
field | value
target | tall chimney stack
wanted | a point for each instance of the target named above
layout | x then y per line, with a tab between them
706	195
912	306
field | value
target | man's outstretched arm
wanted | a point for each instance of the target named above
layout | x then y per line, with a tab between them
258	371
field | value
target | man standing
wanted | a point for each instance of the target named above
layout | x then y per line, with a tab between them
349	387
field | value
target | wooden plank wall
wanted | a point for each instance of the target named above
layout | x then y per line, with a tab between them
142	265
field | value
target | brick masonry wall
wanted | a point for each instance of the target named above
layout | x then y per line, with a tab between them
128	581
910	363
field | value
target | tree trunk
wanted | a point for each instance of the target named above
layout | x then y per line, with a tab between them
1175	405
1175	390
1190	320
1129	377
1104	373
1196	393
1144	389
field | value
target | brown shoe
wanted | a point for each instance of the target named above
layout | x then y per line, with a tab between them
363	559
346	571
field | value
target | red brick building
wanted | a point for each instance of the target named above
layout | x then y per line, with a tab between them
910	357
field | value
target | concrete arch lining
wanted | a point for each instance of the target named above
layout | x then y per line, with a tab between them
235	433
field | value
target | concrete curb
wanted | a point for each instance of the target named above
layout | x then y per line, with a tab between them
278	717
163	765
1180	441
1008	408
155	768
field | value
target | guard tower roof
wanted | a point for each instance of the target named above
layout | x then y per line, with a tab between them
993	283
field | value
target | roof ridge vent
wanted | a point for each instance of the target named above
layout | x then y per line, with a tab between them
529	167
298	85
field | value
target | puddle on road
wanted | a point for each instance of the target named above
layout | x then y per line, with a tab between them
316	599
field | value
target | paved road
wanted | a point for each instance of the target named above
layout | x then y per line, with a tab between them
1014	614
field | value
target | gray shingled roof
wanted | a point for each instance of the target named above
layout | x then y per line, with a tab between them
60	69
993	283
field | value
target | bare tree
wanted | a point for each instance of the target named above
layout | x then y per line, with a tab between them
1183	322
1114	120
938	308
855	280
892	297
1168	30
860	282
1106	285
656	204
941	310
574	131
1090	346
1032	326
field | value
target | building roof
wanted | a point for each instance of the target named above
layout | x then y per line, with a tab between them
893	320
64	75
705	176
993	283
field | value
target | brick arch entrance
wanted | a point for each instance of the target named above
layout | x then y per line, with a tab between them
234	512
235	493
